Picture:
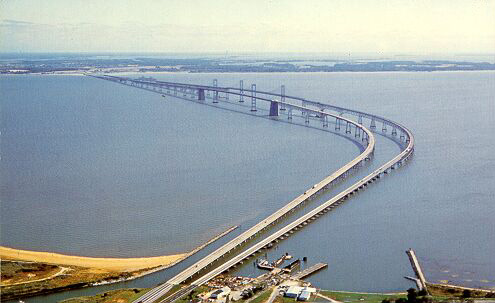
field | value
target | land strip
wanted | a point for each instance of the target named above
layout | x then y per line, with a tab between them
27	273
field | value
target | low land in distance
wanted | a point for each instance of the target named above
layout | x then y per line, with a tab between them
132	64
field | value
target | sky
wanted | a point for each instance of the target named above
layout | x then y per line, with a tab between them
299	26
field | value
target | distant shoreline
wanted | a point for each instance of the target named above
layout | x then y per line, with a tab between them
236	72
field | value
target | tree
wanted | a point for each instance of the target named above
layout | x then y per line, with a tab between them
466	293
412	295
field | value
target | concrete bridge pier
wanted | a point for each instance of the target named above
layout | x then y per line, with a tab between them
373	123
348	128
241	87
357	132
215	93
337	123
325	121
273	108
253	97
282	99
201	94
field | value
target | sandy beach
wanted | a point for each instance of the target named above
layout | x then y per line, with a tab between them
109	264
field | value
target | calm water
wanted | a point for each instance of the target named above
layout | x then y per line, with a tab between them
94	168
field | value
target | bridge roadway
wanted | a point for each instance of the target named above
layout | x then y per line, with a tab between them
158	86
296	224
159	291
306	106
250	233
315	213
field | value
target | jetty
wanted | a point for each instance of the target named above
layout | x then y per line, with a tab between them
309	271
421	281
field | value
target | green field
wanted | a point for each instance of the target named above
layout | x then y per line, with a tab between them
120	295
360	297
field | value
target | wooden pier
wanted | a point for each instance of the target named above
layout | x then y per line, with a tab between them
309	271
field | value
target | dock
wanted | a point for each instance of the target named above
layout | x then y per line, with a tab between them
309	271
417	269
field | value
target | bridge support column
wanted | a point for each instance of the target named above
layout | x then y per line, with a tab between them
241	86
360	120
253	97
348	128
306	114
289	114
394	131
384	127
357	132
273	108
325	121
373	123
201	94
337	123
282	99
215	93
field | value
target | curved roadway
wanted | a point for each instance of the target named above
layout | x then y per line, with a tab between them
162	289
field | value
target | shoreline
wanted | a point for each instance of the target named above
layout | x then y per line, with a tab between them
110	264
90	271
83	73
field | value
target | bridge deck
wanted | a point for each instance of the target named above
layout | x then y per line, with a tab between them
157	292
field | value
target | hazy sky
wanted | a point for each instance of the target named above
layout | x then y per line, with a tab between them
415	26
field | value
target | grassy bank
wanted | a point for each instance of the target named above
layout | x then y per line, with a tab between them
360	297
119	295
23	279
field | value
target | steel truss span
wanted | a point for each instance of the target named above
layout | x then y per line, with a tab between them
310	111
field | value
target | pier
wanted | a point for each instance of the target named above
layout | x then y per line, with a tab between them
421	281
309	271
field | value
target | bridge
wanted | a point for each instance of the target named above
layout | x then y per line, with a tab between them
275	104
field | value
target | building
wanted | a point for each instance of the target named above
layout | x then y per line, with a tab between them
304	296
293	292
220	293
301	293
